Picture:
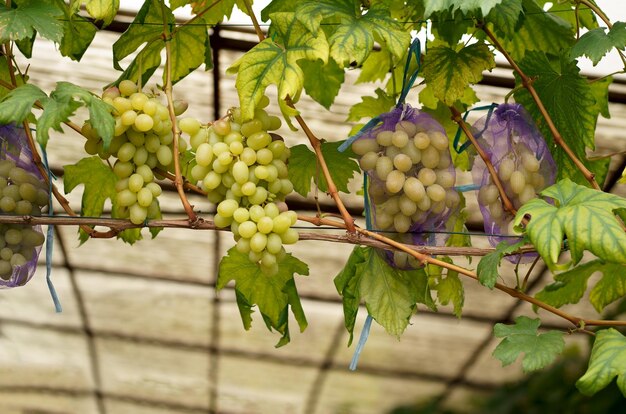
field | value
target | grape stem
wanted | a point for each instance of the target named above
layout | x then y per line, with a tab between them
507	204
315	142
424	258
167	88
527	82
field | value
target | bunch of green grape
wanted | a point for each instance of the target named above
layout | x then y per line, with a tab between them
411	176
21	193
519	172
143	141
243	169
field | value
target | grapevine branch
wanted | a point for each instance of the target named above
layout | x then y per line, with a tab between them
456	117
178	179
528	84
315	142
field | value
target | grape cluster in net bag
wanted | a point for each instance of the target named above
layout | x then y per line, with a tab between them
522	161
411	178
23	192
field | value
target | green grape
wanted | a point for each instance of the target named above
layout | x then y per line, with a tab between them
247	229
127	87
400	259
223	222
248	156
261	172
126	152
259	140
241	214
256	213
143	123
6	253
401	223
13	236
407	126
530	163
424	204
265	225
445	178
268	260
275	187
153	143
264	156
395	181
236	148
204	154
452	198
277	147
427	176
138	214
227	207
198	172
164	155
430	157
517	182
384	166
5	167
254	257
5	269
421	140
128	117
221	127
190	126
496	210
154	188
438	140
248	188
290	236
363	146
488	194
135	182
7	204
272	173
436	192
234	136
275	123
146	173
413	153
384	138
259	196
505	169
281	168
399	138
240	172
287	186
243	245
144	197
406	205
225	158
402	162
122	105
141	156
200	137
251	127
281	223
92	146
17	260
258	242
271	210
274	243
527	194
12	191
126	198
24	207
538	182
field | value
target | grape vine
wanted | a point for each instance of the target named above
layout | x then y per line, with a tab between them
137	138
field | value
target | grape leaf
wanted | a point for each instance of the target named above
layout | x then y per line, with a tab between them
568	11
506	17
596	43
449	27
450	290
537	31
585	216
212	11
488	266
6	76
608	360
465	6
322	81
375	67
99	181
104	10
188	44
304	167
569	286
271	63
390	294
449	72
610	288
573	104
55	112
100	116
18	103
347	284
277	6
353	35
273	295
28	17
539	349
78	33
371	107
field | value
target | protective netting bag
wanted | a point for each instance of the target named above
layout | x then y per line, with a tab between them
23	192
410	177
522	161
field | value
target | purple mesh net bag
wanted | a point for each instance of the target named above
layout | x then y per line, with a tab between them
23	192
522	160
410	176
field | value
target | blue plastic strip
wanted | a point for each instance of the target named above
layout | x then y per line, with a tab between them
50	238
457	137
409	79
370	124
362	340
468	187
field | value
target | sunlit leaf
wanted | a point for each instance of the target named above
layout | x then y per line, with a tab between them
597	42
608	360
29	16
322	81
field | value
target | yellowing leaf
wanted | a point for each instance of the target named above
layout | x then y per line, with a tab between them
608	360
584	215
371	107
271	63
29	16
448	72
539	349
104	10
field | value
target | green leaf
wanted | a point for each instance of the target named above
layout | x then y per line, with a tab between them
214	12
608	360
55	112
449	72
277	6
189	49
506	16
585	216
104	10
572	103
375	67
347	284
537	31
450	290
18	104
100	116
465	6
488	266
596	43
304	167
78	33
28	17
569	286
5	75
270	63
390	294
449	27
539	350
99	182
322	81
371	107
610	288
353	34
272	294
